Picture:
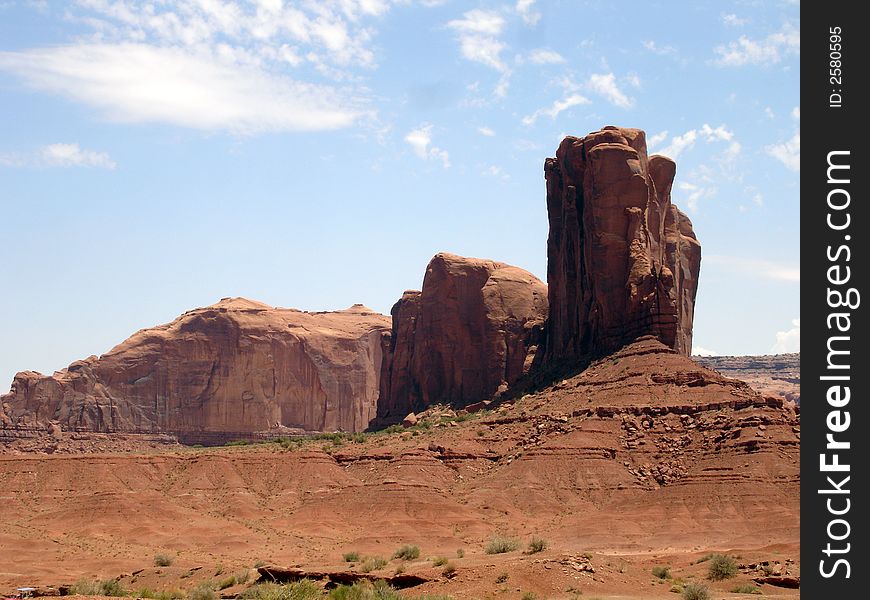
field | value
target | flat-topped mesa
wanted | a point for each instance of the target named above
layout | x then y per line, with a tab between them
622	261
468	333
237	366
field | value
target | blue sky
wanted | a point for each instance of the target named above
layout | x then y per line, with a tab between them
158	156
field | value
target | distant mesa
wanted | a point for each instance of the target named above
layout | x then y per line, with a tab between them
622	263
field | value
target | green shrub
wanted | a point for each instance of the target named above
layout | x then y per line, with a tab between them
259	563
394	429
204	591
500	544
145	593
746	588
407	552
92	587
721	567
351	557
226	582
449	570
170	595
439	561
304	589
695	591
163	560
373	563
662	572
536	545
364	590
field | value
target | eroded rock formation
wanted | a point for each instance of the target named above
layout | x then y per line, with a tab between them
468	332
236	366
622	261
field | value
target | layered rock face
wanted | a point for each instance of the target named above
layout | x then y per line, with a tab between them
622	261
236	366
470	331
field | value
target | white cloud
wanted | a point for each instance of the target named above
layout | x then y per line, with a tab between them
733	20
557	107
59	155
699	351
542	56
486	131
143	83
244	66
692	194
524	8
771	50
651	46
756	267
769	112
788	341
478	32
420	140
605	86
679	143
788	152
495	171
655	140
709	134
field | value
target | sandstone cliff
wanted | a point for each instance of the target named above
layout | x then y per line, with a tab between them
622	261
236	366
465	335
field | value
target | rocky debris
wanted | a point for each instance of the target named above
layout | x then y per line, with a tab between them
410	420
578	562
775	375
235	366
622	261
337	577
786	581
466	336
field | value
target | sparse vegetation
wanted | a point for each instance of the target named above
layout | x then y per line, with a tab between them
169	595
746	588
449	570
439	561
500	544
536	545
259	563
373	563
407	552
351	557
721	567
529	596
237	443
676	589
502	578
460	553
704	558
587	555
204	591
92	587
163	560
662	571
696	591
298	590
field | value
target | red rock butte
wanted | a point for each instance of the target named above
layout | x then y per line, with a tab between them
622	262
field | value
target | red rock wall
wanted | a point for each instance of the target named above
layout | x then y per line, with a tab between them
622	261
461	338
235	366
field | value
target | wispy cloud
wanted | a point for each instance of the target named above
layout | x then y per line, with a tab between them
543	56
699	351
239	66
732	20
653	47
679	143
789	151
557	107
144	83
59	155
768	51
526	9
604	84
420	140
756	267
486	131
478	31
